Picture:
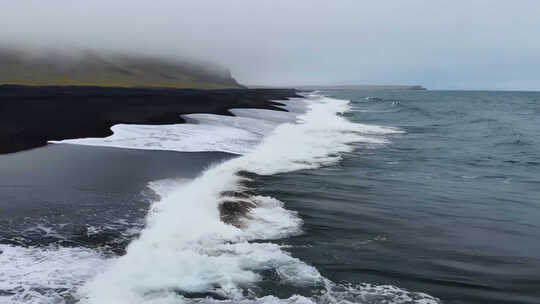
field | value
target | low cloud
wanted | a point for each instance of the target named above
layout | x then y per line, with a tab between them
439	44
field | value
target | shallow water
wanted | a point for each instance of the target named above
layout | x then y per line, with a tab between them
80	196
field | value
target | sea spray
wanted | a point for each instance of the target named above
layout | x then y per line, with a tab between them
187	251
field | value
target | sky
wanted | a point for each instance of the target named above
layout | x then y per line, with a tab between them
458	44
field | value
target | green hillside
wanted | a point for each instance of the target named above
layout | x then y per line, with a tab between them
110	70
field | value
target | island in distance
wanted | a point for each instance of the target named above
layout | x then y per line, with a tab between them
364	87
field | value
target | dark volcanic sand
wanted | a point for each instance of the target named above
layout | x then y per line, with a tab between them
30	116
85	196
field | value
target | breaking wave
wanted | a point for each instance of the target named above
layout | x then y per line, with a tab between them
213	239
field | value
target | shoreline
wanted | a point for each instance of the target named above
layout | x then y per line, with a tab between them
91	197
31	116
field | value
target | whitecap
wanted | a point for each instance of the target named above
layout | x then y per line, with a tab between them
187	249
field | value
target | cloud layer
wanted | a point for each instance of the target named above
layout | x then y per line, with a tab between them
473	44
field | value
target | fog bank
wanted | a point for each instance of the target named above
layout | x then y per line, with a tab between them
439	44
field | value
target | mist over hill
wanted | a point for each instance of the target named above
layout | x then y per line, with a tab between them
90	68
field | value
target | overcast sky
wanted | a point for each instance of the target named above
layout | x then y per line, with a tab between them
458	44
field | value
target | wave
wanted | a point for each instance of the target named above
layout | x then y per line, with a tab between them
237	134
208	239
213	239
46	275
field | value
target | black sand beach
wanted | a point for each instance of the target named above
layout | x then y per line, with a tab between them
74	195
30	116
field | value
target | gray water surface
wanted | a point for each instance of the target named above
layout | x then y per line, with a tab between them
450	208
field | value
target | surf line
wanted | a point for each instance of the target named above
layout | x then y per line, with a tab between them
198	237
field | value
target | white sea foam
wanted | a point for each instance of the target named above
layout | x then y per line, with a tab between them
202	132
209	132
181	137
256	126
186	249
276	117
45	275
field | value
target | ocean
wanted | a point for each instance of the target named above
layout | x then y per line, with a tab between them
352	196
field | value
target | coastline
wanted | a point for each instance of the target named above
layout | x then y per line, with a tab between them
73	195
31	116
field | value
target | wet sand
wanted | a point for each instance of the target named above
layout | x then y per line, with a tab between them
90	196
31	116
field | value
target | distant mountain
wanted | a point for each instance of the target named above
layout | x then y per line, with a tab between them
363	87
109	70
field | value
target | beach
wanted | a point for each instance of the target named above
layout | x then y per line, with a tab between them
31	116
89	196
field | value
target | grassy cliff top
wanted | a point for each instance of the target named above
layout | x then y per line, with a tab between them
111	70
